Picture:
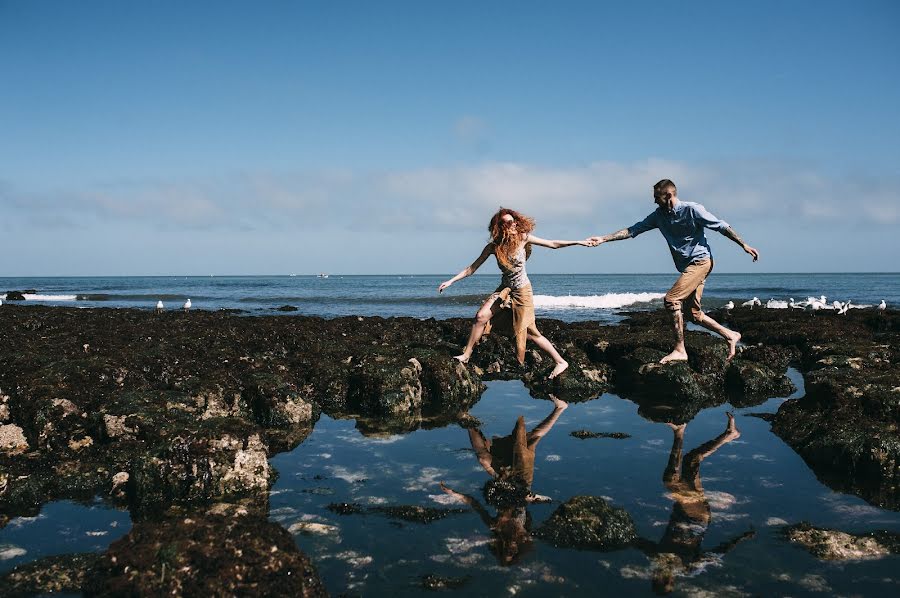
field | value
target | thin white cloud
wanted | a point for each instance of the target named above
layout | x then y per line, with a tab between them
460	198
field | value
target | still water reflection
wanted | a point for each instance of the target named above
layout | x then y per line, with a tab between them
715	530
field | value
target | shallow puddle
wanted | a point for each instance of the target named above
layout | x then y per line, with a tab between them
61	527
716	533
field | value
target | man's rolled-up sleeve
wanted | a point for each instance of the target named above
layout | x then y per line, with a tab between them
648	223
704	217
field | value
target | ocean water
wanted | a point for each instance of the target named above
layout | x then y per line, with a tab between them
567	297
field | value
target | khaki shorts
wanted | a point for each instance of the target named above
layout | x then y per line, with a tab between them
688	289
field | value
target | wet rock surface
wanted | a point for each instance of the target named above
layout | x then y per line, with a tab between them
205	554
585	434
834	545
181	410
588	523
409	513
847	426
52	575
440	582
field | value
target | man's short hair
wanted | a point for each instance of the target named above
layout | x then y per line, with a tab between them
664	186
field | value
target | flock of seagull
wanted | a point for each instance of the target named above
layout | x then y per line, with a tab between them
161	308
812	303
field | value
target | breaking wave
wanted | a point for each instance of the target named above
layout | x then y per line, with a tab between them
607	301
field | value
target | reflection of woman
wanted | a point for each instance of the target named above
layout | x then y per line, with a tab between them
511	242
680	551
510	462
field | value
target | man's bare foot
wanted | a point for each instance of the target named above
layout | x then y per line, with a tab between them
733	340
559	369
462	358
558	403
674	356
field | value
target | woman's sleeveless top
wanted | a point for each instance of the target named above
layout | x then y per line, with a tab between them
514	275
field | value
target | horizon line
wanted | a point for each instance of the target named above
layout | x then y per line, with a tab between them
317	274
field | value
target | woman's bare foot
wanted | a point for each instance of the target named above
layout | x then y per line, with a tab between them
733	340
731	429
559	369
674	356
676	427
558	403
463	358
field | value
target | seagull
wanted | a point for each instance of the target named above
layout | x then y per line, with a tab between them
882	306
730	305
751	303
159	307
817	304
846	307
187	305
793	305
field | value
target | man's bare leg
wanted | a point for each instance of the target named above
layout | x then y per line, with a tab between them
544	344
679	353
729	335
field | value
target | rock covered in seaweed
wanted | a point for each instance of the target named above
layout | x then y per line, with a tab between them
834	545
202	554
588	523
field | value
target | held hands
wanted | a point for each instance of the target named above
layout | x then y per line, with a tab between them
595	241
752	252
590	242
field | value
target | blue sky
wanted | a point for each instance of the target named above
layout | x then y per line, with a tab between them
362	137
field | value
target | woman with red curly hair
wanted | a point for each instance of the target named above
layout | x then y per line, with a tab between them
511	306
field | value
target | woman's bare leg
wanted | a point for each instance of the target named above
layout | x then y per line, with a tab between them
483	316
542	428
561	364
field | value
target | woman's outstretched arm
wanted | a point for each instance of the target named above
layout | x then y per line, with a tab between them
557	244
488	250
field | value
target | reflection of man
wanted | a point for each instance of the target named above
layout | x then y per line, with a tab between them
680	551
510	462
682	223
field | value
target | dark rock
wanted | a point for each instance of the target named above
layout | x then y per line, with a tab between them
505	493
439	582
409	513
846	426
769	417
585	434
588	523
51	575
223	458
834	545
205	555
286	308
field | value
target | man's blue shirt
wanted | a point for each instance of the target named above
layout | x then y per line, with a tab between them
683	227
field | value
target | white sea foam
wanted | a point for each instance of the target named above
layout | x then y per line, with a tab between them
607	301
29	297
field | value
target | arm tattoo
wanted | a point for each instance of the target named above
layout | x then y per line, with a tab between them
619	235
731	234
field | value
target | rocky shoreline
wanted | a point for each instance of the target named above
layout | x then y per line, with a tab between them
174	416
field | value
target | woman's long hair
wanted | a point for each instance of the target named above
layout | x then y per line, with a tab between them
506	243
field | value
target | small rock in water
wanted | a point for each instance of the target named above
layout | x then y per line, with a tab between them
584	434
834	545
439	582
